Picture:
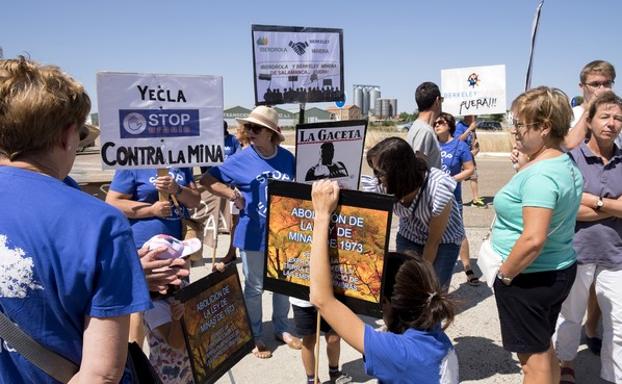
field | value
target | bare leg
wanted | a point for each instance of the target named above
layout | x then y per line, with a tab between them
465	256
333	349
593	314
137	329
307	353
540	368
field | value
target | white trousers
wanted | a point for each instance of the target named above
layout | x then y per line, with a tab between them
608	284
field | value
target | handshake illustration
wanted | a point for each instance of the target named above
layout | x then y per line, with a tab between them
299	47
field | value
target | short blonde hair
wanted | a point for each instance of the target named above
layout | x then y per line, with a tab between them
545	105
601	67
36	103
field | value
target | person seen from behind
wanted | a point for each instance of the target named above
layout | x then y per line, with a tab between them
415	349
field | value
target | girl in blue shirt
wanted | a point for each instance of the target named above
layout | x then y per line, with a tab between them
415	349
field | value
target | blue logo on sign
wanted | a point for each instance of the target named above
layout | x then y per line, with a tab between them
137	123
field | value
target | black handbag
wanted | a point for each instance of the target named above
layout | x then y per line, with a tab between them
142	370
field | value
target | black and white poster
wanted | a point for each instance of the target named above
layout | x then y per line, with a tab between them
297	64
330	150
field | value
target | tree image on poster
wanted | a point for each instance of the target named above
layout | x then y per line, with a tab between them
356	244
216	326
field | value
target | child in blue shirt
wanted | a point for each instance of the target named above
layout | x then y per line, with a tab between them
415	349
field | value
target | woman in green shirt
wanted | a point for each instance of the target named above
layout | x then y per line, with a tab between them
536	214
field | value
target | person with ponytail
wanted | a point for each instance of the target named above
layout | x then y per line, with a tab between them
415	309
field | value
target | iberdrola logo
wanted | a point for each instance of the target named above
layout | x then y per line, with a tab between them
262	41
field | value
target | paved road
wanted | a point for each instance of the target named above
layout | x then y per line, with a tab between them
475	331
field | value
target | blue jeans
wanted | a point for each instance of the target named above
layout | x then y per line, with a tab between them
252	266
446	257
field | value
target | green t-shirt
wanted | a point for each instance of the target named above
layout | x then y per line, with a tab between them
554	183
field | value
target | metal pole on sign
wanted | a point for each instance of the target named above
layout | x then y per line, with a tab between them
231	379
301	114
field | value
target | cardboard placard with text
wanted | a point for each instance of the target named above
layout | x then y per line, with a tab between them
358	244
330	150
215	324
297	64
474	90
160	121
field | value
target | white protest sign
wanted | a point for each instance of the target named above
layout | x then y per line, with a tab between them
157	121
330	150
297	64
474	90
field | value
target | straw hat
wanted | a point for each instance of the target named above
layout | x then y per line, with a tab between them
88	134
267	117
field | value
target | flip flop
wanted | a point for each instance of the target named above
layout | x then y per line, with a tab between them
291	341
261	351
471	278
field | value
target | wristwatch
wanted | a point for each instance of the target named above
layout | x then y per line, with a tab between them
599	204
236	194
507	280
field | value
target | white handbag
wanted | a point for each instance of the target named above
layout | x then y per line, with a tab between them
488	260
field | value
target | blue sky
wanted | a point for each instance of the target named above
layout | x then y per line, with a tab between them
395	44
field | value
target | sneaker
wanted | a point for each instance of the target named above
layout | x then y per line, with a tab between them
479	203
340	378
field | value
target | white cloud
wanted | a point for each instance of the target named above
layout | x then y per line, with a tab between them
16	276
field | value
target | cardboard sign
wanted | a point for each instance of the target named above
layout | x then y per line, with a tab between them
297	64
474	90
158	121
331	150
215	324
358	243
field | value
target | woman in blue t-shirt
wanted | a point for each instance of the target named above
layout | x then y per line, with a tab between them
248	171
415	349
456	161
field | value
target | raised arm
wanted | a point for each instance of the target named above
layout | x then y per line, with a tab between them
218	188
137	209
347	324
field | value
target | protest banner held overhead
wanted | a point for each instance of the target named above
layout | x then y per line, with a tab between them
330	150
474	90
297	64
215	324
157	121
358	243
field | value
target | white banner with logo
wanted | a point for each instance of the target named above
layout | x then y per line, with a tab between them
330	150
474	90
297	64
157	121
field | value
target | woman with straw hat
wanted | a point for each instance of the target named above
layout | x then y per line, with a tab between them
248	172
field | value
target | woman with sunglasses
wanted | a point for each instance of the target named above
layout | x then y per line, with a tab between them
597	241
430	220
457	162
536	214
248	171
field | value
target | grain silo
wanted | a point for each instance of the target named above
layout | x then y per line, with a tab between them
358	96
393	104
374	105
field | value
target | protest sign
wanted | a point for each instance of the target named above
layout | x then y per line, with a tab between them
330	150
158	121
474	90
358	241
297	64
215	324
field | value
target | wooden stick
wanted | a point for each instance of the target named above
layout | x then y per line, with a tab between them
216	225
316	380
163	196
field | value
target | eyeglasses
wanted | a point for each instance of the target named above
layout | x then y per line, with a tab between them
440	122
518	125
597	84
255	128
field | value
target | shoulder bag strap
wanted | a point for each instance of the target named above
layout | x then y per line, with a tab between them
49	362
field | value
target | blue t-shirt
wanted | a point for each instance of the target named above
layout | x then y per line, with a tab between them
64	255
139	183
453	155
461	127
414	357
249	172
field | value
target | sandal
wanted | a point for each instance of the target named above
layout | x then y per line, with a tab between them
568	372
261	351
291	341
471	278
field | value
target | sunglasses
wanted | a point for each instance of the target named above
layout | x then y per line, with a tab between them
440	122
597	84
255	128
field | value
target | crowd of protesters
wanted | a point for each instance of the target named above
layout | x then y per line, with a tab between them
556	232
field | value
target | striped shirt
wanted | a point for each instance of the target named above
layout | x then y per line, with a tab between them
437	193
